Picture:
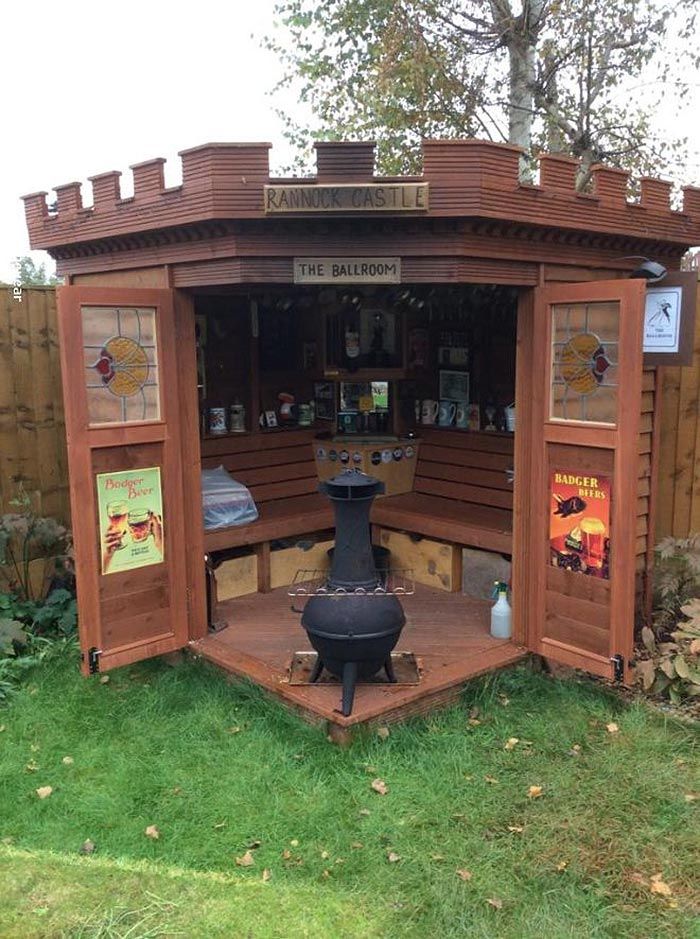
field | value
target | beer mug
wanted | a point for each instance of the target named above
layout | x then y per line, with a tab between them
429	411
462	416
139	521
593	542
446	413
117	513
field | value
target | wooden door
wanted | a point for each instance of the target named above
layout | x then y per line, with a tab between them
128	480
583	473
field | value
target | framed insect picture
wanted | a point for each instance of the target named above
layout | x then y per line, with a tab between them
454	386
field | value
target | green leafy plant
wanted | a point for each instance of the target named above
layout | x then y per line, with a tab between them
26	537
669	661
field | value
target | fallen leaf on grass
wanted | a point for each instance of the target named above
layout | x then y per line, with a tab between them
379	786
534	792
364	812
463	874
326	873
67	760
492	780
32	766
691	796
325	855
177	791
294	842
246	861
266	875
104	679
254	845
8	839
511	743
575	750
516	829
218	826
44	791
357	845
612	728
562	865
504	700
437	857
286	855
496	904
392	857
35	748
473	722
2	727
87	847
383	733
152	832
234	730
657	885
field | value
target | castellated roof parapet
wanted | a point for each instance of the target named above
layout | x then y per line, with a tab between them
466	178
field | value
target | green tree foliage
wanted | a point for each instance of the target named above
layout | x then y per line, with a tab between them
574	77
31	274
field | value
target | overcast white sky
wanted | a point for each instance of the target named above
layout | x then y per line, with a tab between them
93	87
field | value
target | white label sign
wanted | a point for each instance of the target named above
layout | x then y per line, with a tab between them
347	270
662	319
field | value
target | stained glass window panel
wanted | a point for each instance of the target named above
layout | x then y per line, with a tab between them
585	345
120	360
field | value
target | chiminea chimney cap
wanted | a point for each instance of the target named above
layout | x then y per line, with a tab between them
352	484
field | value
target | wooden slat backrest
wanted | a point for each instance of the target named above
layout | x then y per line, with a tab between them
466	466
274	465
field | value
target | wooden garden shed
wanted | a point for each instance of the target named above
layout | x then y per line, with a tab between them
475	341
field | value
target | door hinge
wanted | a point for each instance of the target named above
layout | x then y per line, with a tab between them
94	660
618	667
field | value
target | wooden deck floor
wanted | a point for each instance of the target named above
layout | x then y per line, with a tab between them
448	632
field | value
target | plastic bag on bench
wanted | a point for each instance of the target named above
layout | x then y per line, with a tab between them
225	501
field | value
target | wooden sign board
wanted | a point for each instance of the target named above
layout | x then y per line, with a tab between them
669	320
346	198
347	270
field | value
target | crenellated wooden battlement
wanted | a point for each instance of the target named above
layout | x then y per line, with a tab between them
466	178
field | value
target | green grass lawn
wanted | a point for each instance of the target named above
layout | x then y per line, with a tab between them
219	771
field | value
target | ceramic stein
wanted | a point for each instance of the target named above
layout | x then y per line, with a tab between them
305	417
237	418
446	413
429	411
462	416
217	420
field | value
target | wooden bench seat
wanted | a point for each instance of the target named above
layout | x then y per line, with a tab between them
463	491
464	523
279	469
285	518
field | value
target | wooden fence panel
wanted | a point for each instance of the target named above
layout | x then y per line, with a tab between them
678	507
32	430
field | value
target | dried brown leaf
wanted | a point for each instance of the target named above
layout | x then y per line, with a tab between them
44	791
516	829
474	722
152	832
379	786
67	761
492	780
266	875
463	874
247	860
691	796
612	728
658	886
534	792
383	733
511	743
325	855
104	679
88	847
496	904
32	766
392	857
562	865
357	845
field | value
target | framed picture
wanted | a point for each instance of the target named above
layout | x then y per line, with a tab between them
454	386
324	396
669	320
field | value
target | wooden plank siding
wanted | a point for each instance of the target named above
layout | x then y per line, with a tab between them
678	503
32	427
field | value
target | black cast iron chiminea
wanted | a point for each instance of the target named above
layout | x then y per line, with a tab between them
355	623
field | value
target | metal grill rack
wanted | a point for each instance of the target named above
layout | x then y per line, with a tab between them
314	583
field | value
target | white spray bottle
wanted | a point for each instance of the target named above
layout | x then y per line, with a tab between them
501	613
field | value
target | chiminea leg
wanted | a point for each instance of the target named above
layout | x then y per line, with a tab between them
316	670
349	679
389	669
